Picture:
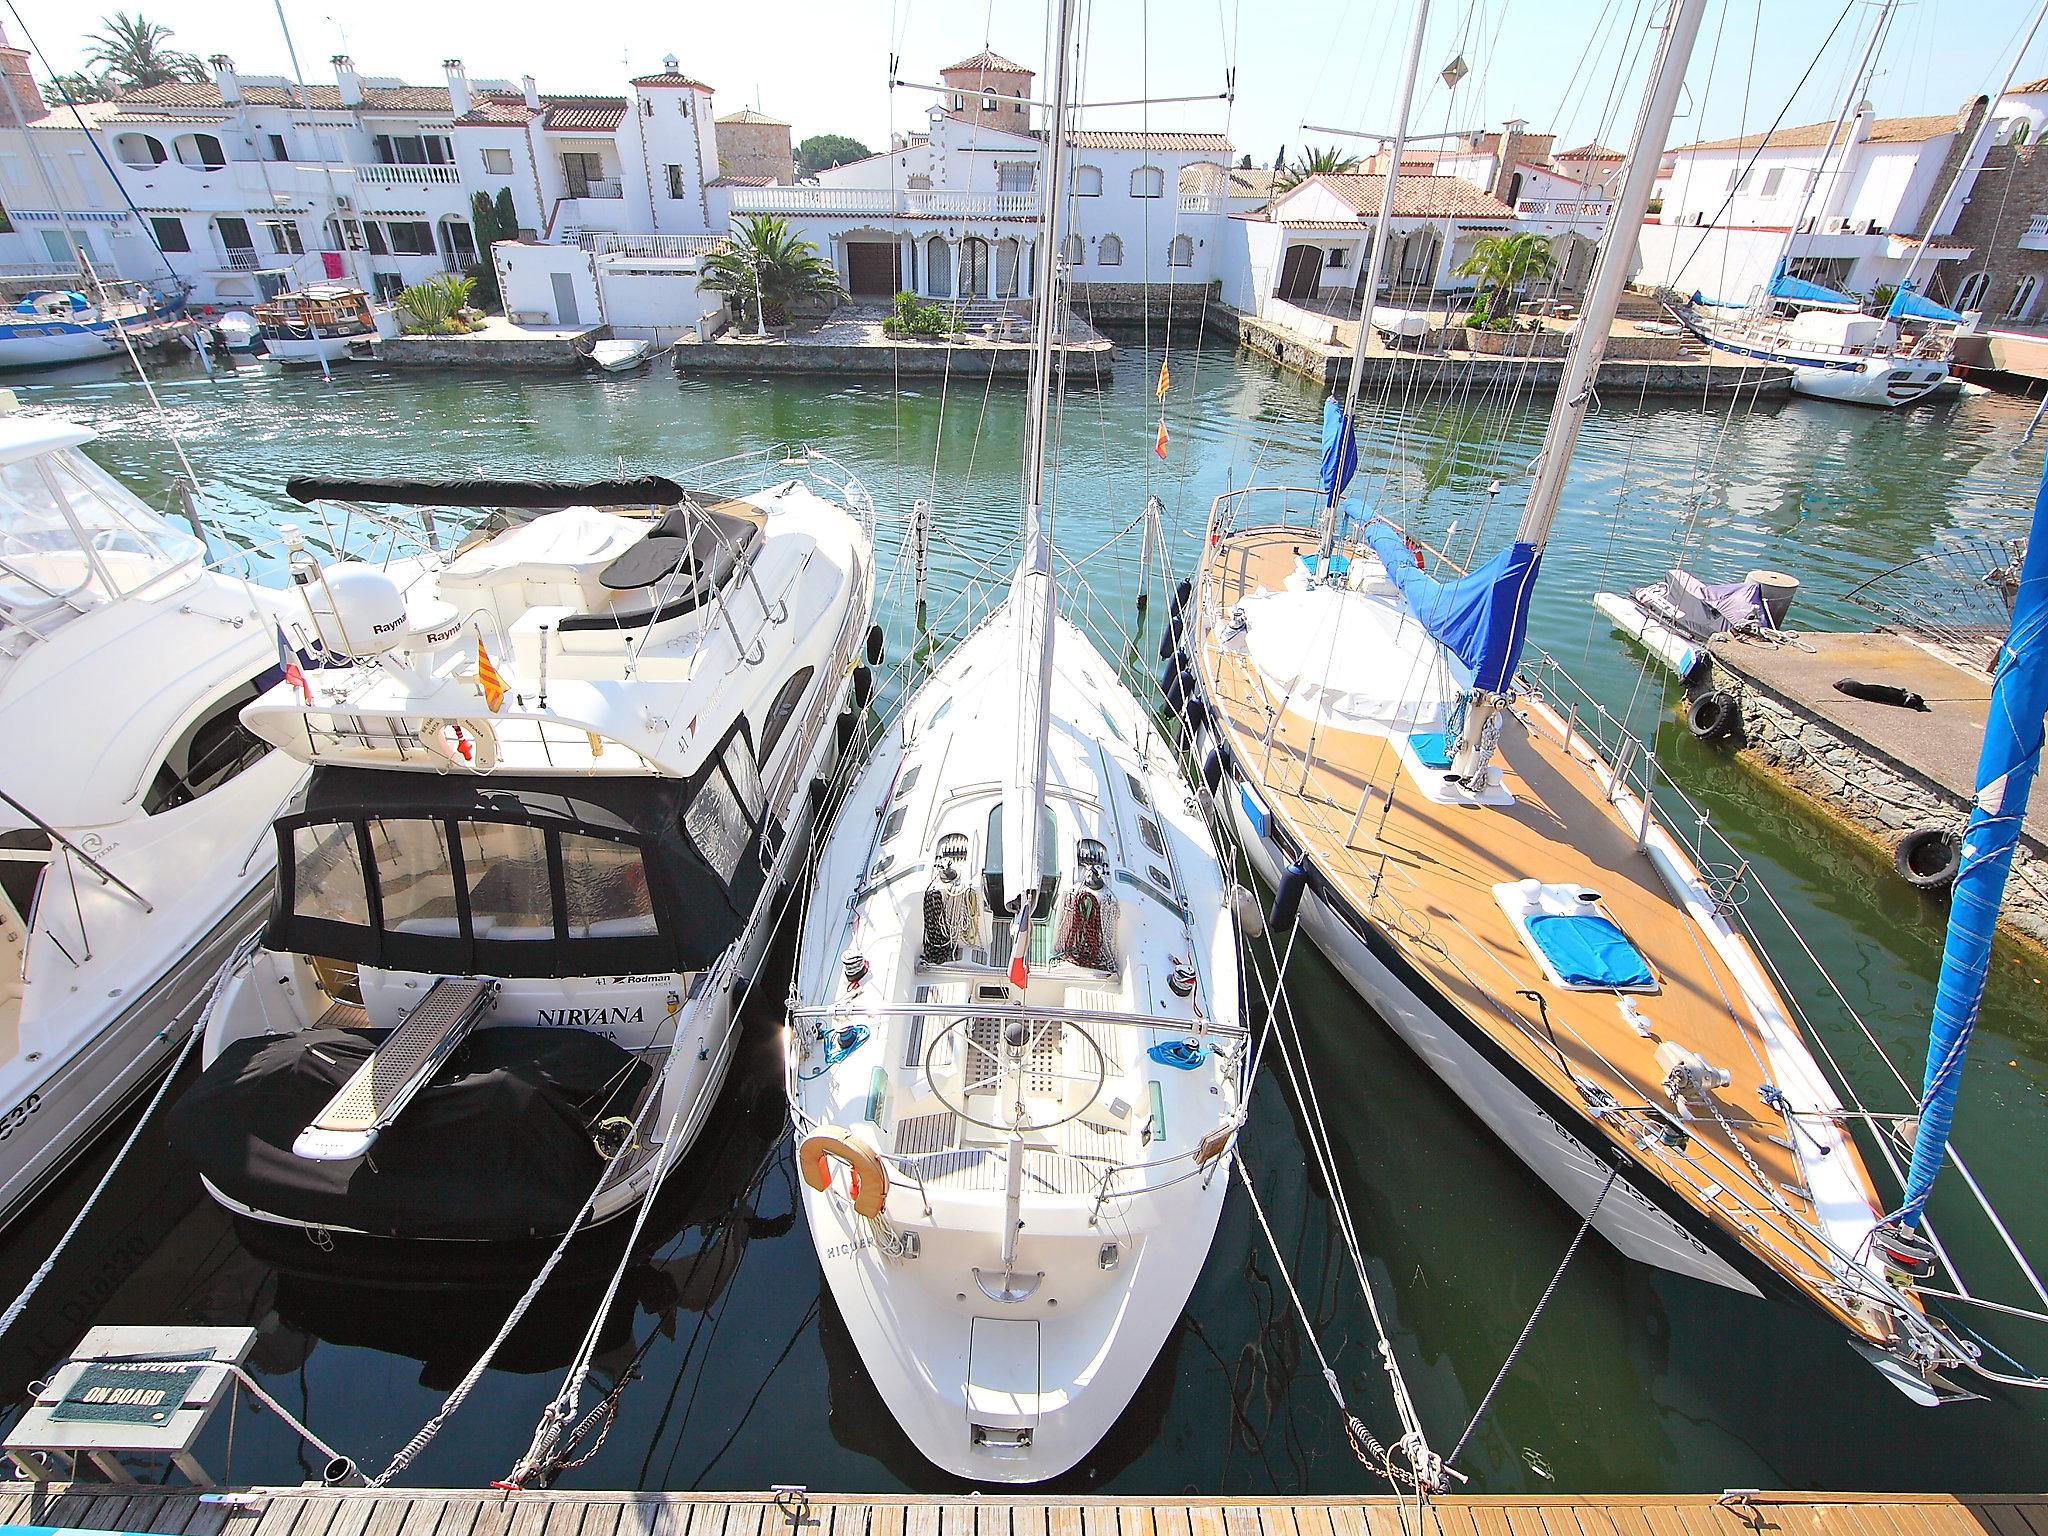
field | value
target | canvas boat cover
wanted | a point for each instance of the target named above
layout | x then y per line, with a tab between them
1703	609
1588	950
1481	618
1351	661
1908	305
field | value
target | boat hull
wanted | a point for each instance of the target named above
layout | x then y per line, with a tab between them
1884	382
309	350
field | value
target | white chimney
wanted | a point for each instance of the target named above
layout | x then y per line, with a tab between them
350	83
671	64
532	89
226	79
458	86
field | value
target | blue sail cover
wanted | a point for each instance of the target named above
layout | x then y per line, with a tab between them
2005	774
1483	618
1908	305
1340	452
1787	289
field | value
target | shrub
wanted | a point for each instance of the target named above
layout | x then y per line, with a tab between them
913	317
439	306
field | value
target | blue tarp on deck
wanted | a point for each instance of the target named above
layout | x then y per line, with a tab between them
1482	618
1908	305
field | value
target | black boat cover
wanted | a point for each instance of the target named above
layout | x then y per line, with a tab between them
540	495
498	1146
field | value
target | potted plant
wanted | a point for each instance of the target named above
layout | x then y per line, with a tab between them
1503	265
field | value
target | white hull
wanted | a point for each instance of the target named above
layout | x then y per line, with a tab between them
1884	382
1678	654
67	346
309	349
620	356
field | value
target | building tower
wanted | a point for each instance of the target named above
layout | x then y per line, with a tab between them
974	86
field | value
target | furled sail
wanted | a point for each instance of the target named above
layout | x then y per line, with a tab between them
1340	452
1787	289
2006	765
1481	618
1908	305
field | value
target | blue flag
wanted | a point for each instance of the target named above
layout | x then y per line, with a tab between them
1340	451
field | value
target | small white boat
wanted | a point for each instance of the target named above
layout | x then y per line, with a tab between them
238	330
620	354
64	326
315	325
133	858
1402	324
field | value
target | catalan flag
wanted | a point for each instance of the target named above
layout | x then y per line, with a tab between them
487	678
1159	442
1165	381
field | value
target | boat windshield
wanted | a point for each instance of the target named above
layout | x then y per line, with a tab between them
73	538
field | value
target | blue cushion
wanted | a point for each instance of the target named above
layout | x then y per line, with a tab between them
1340	565
1432	748
1589	951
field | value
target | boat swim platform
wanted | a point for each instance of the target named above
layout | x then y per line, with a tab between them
463	1512
1886	769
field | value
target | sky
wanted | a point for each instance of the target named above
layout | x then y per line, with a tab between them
1569	66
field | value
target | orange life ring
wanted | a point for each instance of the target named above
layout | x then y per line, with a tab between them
867	1180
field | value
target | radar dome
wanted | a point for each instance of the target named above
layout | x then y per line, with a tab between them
358	610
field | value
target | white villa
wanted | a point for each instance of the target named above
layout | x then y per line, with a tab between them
950	212
1729	203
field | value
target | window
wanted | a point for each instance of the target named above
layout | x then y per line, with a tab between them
1971	294
498	162
201	151
581	170
284	237
327	874
725	807
1773	179
1110	253
170	235
604	889
955	102
1016	175
212	750
1087	181
139	149
1148	181
2023	298
1006	269
782	711
24	858
1334	257
973	268
414	149
510	893
412	238
373	238
277	149
415	877
1075	251
234	233
678	182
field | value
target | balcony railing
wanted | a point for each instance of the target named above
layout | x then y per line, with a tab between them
2035	236
1200	202
243	261
609	243
910	203
408	175
1591	209
612	188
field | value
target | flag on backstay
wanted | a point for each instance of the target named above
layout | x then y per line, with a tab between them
1159	442
1165	381
487	678
289	668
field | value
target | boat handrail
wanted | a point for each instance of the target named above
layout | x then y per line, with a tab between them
853	1011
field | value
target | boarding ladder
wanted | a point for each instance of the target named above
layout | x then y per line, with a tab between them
382	1086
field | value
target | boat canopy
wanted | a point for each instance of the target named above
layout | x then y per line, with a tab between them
1482	618
1787	289
536	495
49	300
1908	305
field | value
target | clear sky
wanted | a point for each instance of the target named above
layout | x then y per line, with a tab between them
1573	66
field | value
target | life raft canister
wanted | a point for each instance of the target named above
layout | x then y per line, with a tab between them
867	1181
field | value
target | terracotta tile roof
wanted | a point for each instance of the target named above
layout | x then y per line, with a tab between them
1415	197
986	60
376	98
1200	143
2030	88
1883	130
496	110
749	115
1245	181
742	181
1591	152
668	77
582	114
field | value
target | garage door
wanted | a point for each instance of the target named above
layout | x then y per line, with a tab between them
871	269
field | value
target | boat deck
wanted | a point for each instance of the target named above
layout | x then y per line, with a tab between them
1424	873
461	1512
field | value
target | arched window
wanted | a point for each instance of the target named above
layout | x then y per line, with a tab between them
2023	298
139	149
201	151
1075	250
1006	269
1971	294
1110	253
1148	181
973	268
938	268
1087	181
1180	252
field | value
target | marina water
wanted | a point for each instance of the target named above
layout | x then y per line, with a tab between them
738	1372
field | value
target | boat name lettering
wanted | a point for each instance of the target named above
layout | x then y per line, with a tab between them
13	1118
584	1018
653	978
848	1250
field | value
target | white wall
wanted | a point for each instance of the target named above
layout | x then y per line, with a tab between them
525	278
656	299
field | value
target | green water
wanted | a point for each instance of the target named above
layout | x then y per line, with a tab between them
1633	1380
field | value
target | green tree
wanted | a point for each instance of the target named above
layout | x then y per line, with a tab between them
1315	162
1244	162
434	307
764	256
1504	265
822	151
76	87
134	54
508	216
483	219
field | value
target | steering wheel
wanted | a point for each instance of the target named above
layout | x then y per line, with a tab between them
1013	1059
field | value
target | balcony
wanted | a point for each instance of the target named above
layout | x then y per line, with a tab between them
407	175
2035	236
661	247
243	261
1200	202
607	188
1588	211
883	202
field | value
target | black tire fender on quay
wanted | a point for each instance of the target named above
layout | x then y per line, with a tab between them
1927	858
1712	715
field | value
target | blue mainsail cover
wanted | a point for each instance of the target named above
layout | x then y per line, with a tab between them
1483	618
1340	451
1908	305
2005	775
1788	289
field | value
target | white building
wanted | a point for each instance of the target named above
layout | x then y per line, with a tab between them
951	213
1728	204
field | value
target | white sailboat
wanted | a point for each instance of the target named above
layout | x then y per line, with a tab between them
1015	1059
133	855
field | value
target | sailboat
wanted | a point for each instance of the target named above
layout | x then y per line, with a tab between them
1449	826
1015	1060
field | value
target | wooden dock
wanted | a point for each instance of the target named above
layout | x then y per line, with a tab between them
448	1512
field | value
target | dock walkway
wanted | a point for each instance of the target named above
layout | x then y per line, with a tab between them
448	1512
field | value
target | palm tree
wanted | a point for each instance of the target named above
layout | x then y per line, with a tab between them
1315	162
1504	264
79	88
135	54
765	258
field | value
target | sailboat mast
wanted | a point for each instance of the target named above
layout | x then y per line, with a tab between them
1610	273
1048	300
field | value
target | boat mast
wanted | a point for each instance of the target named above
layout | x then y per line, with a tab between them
1582	363
1032	595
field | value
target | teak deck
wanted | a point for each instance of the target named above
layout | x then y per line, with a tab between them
454	1512
1423	872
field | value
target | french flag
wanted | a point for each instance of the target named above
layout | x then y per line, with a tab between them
288	664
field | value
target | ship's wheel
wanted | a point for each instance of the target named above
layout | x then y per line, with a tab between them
1021	1062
